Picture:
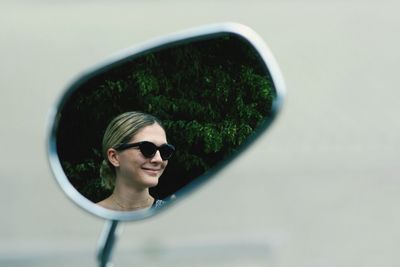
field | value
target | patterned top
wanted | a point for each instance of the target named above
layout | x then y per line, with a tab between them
158	203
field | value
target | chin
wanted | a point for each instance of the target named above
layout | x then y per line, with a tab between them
151	181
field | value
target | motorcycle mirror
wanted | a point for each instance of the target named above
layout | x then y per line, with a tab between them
215	89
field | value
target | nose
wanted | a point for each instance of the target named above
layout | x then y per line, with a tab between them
157	157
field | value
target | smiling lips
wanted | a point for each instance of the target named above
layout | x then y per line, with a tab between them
151	171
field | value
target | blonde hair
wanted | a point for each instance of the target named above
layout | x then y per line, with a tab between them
120	131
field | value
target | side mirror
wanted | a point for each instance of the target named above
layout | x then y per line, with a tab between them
215	89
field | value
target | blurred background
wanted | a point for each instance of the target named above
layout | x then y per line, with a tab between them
318	189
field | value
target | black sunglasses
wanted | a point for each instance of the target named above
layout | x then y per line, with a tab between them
148	149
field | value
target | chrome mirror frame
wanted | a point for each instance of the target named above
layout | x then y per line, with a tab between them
192	34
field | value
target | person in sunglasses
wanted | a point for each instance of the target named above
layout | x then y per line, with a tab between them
136	153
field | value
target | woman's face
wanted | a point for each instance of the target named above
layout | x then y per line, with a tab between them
137	170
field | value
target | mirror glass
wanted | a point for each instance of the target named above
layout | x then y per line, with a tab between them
214	90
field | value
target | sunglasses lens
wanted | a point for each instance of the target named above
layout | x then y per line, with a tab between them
148	149
166	151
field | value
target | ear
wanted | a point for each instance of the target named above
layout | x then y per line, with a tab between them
113	157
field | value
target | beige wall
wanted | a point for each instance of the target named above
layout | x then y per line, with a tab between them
321	188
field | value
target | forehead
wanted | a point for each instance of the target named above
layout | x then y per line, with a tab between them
153	133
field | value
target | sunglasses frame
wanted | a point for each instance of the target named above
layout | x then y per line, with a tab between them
140	146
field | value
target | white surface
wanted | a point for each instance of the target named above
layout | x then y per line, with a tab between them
320	188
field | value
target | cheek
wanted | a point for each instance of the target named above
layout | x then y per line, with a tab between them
163	166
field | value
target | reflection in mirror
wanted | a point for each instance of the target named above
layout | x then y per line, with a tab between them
213	94
135	154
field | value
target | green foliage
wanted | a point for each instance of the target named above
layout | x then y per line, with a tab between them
211	96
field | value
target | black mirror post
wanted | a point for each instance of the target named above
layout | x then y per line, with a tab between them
106	243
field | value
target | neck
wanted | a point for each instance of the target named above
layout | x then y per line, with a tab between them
130	198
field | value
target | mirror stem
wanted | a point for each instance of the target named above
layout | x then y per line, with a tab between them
106	243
